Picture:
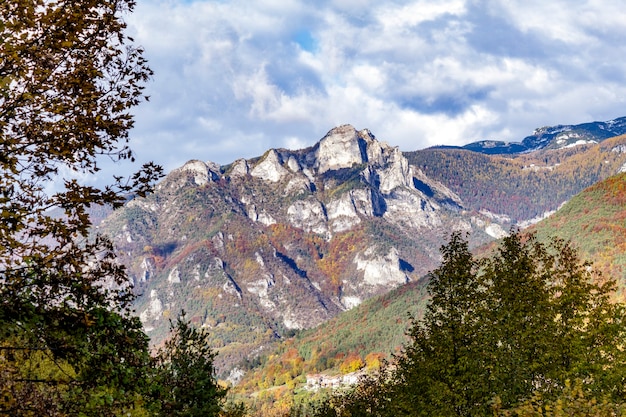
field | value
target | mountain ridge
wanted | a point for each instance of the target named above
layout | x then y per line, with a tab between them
593	221
552	137
261	247
525	186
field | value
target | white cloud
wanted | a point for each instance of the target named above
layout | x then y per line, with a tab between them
399	17
233	78
574	22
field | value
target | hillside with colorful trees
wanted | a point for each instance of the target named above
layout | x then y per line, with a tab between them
593	223
523	186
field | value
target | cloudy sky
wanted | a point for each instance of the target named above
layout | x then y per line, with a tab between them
235	78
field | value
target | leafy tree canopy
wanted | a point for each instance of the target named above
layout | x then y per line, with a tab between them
183	383
69	77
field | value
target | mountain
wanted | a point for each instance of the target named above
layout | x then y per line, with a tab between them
525	187
361	337
594	221
260	248
554	137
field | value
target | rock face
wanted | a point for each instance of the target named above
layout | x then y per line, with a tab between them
342	147
381	269
193	172
285	241
270	168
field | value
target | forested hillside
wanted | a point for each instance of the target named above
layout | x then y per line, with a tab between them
530	330
522	186
371	331
595	221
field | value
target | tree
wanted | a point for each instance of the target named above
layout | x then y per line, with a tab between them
184	382
508	328
588	343
69	77
518	318
550	319
571	401
441	370
368	398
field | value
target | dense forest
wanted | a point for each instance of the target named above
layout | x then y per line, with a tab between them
594	221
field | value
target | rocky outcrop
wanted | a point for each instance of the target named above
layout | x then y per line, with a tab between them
270	168
309	215
261	217
193	172
408	209
342	213
342	147
239	168
148	266
381	269
154	309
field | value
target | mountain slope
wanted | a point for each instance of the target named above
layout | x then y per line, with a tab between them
370	332
522	187
262	247
595	221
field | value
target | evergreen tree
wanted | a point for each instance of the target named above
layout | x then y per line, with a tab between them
589	335
502	330
573	400
440	372
184	383
518	318
550	320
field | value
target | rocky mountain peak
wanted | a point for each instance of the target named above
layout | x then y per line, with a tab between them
192	172
345	147
342	147
289	239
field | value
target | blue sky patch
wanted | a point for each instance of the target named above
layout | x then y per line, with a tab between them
305	39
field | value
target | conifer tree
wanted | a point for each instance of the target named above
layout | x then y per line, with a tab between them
183	382
501	330
441	371
518	319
